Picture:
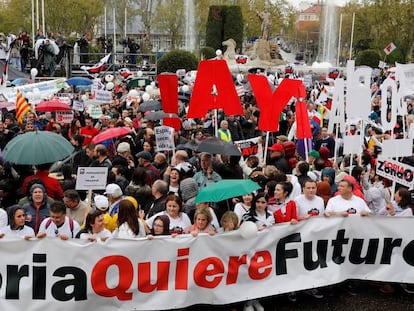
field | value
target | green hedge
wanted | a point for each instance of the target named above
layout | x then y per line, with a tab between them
224	22
207	52
369	58
178	59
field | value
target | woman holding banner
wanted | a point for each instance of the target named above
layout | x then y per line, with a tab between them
401	206
17	225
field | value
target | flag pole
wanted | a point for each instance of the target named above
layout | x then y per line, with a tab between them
266	146
43	18
125	24
352	36
114	44
37	15
33	23
336	142
339	41
305	143
105	34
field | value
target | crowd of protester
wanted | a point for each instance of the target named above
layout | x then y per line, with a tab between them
151	193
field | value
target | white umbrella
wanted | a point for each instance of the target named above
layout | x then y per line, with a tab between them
39	42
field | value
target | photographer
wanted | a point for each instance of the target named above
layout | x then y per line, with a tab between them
24	49
47	58
84	49
133	50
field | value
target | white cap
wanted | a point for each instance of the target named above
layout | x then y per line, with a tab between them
101	202
113	190
123	147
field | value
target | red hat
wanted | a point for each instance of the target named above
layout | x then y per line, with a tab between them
277	147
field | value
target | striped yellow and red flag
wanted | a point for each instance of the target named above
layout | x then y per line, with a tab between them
22	107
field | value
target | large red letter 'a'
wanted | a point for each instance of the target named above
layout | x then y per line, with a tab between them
214	73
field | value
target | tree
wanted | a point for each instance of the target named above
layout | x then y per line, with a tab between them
60	15
169	19
383	21
174	60
368	58
145	9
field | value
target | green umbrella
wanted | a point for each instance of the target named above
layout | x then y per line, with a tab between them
138	82
37	147
226	189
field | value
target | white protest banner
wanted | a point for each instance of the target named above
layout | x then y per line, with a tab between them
91	178
103	96
337	112
164	136
393	148
97	85
307	80
358	95
64	116
249	147
95	111
45	89
401	173
404	73
77	105
352	144
64	98
165	273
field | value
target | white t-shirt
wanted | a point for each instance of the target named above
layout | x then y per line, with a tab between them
355	205
176	224
102	234
240	209
25	231
3	218
125	232
52	230
314	207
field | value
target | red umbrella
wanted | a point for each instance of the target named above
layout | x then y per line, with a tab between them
52	105
111	133
7	105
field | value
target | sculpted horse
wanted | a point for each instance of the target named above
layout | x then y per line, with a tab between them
230	53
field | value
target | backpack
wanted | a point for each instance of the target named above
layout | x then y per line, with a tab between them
71	225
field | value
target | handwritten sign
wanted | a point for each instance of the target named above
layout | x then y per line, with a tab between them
164	136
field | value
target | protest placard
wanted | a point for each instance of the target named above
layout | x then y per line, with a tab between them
164	136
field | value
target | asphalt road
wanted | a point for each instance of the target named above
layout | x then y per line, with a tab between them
365	297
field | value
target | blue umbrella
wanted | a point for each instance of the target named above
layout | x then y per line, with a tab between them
76	81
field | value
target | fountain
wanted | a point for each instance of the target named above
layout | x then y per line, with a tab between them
189	26
328	34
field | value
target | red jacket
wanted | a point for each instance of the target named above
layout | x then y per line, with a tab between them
291	213
53	186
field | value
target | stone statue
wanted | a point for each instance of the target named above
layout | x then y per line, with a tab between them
266	20
146	45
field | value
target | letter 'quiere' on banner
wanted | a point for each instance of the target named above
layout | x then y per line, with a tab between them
171	273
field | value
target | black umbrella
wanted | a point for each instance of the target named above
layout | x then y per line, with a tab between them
158	115
214	145
190	145
150	105
184	98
